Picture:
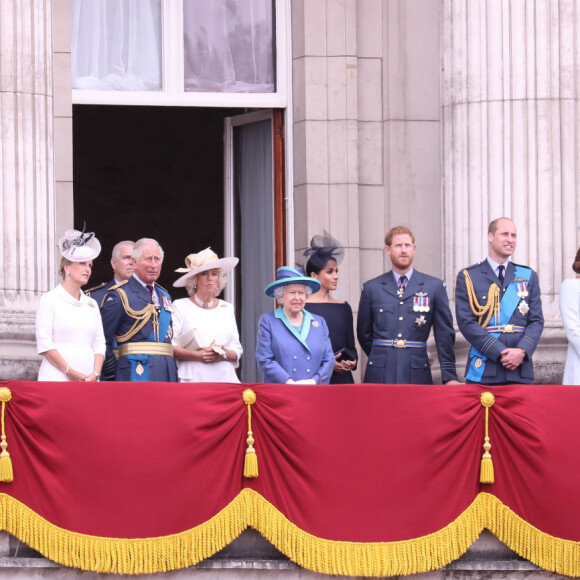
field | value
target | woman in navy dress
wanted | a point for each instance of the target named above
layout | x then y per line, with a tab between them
324	256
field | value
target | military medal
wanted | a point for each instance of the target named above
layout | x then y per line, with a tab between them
400	291
167	304
420	320
421	302
522	289
523	307
139	369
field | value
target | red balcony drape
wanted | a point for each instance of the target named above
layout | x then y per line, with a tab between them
354	479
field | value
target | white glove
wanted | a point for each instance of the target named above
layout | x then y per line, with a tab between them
306	382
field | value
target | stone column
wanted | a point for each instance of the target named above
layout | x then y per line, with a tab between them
27	178
510	135
326	129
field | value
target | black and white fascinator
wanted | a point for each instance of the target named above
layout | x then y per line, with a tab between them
78	246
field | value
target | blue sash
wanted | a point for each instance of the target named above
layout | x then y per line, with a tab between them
508	306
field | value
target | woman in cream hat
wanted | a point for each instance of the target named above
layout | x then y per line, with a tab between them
69	332
206	343
293	344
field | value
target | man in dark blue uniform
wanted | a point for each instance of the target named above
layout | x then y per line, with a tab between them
123	266
137	315
396	313
499	312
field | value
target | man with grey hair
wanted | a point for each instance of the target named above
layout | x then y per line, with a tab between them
123	267
137	315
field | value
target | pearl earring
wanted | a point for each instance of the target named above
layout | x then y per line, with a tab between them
67	273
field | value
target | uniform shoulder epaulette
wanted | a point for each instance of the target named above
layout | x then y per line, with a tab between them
98	287
118	285
473	266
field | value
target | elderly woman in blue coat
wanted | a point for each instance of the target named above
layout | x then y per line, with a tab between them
293	344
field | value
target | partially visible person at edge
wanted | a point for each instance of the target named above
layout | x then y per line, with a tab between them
324	256
206	342
69	333
396	313
499	311
137	315
293	346
123	266
570	311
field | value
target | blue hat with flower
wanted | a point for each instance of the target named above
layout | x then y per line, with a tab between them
287	275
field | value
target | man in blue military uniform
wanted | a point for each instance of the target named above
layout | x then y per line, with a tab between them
137	315
396	313
499	312
123	266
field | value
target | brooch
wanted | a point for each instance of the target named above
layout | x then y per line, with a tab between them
315	324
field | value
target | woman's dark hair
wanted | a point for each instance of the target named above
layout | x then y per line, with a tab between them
317	262
322	249
576	264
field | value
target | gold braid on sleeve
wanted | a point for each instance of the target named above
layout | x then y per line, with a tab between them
483	313
141	317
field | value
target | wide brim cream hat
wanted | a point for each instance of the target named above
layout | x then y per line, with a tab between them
78	246
286	275
203	261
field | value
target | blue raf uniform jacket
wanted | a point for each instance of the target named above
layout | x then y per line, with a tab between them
494	372
99	292
383	315
282	355
110	365
117	322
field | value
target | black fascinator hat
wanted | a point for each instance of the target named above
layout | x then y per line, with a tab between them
322	248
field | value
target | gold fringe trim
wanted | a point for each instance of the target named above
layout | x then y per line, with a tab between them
120	555
430	552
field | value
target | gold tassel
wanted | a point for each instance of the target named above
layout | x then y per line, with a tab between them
6	472
486	474
251	459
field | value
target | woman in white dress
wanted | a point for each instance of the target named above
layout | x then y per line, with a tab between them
206	342
69	331
570	311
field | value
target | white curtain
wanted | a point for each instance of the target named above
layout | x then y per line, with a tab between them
229	46
254	180
116	44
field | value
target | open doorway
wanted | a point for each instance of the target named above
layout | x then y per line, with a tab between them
150	172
